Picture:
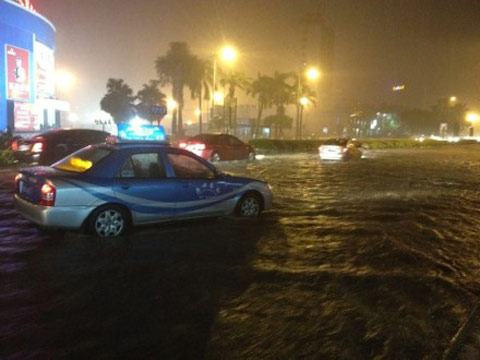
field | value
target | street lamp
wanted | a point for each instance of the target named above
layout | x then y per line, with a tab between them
472	117
228	54
64	80
218	97
452	99
304	101
311	74
172	104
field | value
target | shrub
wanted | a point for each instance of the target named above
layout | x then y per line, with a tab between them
6	157
275	146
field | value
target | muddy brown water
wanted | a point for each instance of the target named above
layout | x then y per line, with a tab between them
377	258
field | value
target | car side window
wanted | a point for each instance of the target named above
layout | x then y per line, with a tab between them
187	167
234	141
143	166
223	140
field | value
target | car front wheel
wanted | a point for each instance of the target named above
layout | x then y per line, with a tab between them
109	221
249	206
215	157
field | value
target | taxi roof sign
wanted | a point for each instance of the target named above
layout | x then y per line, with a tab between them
134	132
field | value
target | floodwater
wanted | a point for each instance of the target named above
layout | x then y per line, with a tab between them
371	259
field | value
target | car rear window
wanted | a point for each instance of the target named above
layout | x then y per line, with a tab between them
338	142
82	160
205	138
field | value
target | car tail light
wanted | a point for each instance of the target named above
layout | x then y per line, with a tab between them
14	145
37	147
17	182
182	145
47	195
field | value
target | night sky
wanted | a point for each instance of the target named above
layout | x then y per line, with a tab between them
432	46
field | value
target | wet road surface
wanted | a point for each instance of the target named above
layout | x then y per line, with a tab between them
377	258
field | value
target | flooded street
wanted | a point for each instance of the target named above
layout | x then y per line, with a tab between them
376	258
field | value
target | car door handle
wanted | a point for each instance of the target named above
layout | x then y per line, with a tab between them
125	186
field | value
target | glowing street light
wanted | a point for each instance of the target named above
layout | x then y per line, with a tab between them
312	74
218	97
64	80
304	101
472	117
228	54
172	104
452	99
198	112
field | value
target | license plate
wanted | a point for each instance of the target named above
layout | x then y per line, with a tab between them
24	147
25	189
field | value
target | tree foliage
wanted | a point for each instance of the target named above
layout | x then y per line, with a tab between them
150	95
175	69
118	101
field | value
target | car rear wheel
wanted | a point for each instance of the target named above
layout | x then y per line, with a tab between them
215	157
249	205
109	221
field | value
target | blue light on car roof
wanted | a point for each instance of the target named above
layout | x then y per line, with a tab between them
136	132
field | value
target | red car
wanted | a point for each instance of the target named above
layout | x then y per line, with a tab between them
218	147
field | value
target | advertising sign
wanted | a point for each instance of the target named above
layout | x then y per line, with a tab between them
159	110
18	73
44	70
24	117
141	132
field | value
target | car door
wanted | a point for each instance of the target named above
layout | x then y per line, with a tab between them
228	151
198	190
238	148
60	145
142	185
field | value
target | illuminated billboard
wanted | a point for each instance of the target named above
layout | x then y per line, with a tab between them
44	70
25	118
18	73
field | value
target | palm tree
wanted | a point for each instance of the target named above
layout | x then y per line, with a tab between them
201	80
149	96
262	89
232	81
118	101
174	69
283	93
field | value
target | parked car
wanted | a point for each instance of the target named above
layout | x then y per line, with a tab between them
340	149
218	147
106	188
53	145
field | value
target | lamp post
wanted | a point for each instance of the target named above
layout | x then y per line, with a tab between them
472	118
311	74
228	54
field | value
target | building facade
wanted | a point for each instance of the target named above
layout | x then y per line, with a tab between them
27	70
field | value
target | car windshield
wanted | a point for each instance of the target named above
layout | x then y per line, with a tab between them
82	160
